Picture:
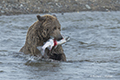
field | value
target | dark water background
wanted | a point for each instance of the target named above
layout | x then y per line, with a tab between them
93	52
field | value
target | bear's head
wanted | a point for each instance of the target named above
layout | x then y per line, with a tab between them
50	26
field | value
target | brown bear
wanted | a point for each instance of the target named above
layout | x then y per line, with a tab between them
45	27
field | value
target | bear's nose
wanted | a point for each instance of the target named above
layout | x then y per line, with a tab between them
60	38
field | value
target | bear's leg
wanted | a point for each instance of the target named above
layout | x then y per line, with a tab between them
58	56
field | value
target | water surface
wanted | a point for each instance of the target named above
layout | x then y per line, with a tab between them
93	52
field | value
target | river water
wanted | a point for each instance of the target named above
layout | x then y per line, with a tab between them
92	53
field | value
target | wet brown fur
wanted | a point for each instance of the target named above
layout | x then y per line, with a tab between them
45	27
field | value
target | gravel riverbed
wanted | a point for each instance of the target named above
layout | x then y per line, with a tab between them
12	7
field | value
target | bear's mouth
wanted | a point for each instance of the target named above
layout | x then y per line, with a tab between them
54	38
58	39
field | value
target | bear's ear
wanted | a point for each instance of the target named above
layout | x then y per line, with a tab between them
40	18
54	15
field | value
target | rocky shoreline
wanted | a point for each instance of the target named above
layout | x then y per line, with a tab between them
14	7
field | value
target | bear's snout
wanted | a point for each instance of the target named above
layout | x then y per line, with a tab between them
56	35
60	38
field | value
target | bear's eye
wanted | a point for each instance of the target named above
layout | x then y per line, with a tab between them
54	28
59	28
47	30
